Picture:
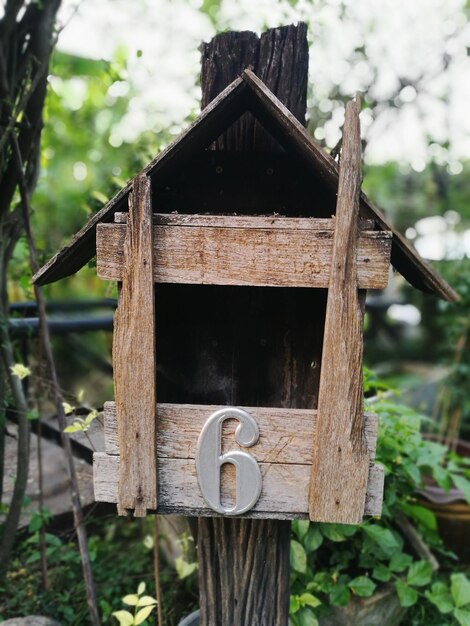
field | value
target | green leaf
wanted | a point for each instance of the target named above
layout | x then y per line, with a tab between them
462	616
143	614
35	523
463	484
383	537
407	595
20	370
184	568
141	588
131	599
460	589
298	557
337	532
124	618
419	574
308	599
421	514
440	597
306	617
399	562
68	408
362	586
313	538
382	573
340	594
294	604
146	601
300	527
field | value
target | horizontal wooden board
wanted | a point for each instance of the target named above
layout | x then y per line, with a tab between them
243	221
286	435
284	257
283	452
284	494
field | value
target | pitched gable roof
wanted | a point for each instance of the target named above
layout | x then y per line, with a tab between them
246	93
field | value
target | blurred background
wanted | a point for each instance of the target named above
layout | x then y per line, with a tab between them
124	82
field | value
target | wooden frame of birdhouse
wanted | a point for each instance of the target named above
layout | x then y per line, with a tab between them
165	451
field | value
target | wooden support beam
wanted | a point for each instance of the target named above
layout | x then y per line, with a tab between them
340	462
292	253
134	360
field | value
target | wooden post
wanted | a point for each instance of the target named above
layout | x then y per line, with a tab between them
244	563
340	463
134	360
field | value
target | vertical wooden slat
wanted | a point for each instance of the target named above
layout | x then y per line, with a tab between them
134	360
340	462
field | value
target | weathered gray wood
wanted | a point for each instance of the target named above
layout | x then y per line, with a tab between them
243	221
375	490
283	257
285	434
284	494
340	463
221	112
134	359
227	107
293	136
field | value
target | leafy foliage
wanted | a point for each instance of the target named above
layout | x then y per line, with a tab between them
335	563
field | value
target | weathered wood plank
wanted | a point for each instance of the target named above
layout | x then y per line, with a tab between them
340	463
285	434
243	221
223	110
134	359
284	494
375	491
284	257
293	136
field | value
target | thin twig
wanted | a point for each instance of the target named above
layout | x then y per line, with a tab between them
156	567
58	397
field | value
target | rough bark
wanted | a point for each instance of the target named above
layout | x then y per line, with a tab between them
244	564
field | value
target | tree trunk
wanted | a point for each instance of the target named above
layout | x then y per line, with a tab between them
244	563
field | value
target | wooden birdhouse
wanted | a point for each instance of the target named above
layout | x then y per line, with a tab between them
239	331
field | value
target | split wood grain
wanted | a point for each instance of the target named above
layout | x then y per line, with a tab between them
340	461
284	493
285	434
284	257
134	360
293	136
243	221
222	111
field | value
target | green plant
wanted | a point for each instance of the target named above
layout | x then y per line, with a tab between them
453	402
183	566
143	606
333	563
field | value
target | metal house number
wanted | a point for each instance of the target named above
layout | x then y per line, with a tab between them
209	460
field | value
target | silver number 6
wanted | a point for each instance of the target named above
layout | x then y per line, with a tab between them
209	461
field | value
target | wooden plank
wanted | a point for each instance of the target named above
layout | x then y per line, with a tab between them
134	360
243	221
283	257
293	136
220	113
284	494
375	491
285	434
340	464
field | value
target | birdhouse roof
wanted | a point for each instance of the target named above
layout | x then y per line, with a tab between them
246	93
